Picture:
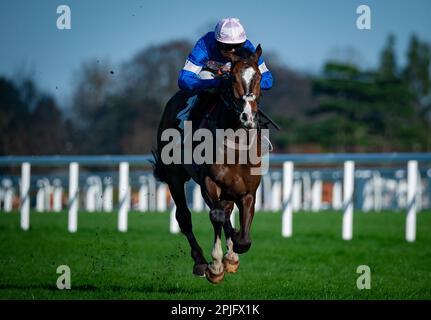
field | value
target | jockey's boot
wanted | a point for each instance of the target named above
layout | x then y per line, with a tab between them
184	114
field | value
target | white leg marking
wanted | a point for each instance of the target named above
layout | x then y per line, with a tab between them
216	265
230	254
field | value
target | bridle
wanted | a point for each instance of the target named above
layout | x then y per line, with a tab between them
230	101
228	97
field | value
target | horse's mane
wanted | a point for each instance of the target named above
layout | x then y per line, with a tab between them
244	53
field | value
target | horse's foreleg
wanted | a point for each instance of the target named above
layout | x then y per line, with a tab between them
211	192
241	240
230	259
215	271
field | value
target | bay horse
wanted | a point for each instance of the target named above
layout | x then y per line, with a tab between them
234	106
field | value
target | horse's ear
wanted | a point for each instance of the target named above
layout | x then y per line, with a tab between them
230	55
258	53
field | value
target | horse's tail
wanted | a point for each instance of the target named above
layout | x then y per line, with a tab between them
158	167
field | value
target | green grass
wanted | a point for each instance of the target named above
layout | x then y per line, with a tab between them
149	263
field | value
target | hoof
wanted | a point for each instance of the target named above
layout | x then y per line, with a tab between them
214	278
199	269
241	246
230	266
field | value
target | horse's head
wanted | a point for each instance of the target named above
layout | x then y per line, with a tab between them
244	85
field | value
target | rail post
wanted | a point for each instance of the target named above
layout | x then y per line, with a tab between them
412	184
286	228
348	186
123	196
25	196
73	197
174	228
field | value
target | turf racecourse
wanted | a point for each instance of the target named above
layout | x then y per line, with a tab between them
149	263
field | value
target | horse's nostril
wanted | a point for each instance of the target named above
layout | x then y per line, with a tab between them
244	116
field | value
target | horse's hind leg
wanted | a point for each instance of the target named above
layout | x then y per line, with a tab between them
241	239
183	215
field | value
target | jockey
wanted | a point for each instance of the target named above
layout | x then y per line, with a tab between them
229	35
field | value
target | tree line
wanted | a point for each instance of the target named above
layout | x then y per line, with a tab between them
115	110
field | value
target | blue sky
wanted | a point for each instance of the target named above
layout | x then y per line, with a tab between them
303	33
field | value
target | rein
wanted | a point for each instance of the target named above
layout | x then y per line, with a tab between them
230	102
227	96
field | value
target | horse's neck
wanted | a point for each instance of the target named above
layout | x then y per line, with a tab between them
224	118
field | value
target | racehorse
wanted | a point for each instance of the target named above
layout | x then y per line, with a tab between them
234	106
